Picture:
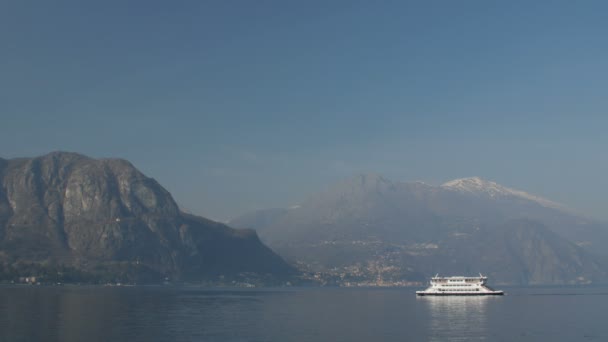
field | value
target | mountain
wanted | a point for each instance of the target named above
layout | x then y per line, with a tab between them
504	202
103	219
397	230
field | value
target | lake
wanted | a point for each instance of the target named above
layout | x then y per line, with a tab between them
89	313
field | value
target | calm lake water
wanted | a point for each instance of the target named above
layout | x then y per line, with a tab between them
38	313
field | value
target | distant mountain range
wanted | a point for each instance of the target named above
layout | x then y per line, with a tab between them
369	228
68	217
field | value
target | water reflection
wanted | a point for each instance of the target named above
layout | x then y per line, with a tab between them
128	314
460	318
182	314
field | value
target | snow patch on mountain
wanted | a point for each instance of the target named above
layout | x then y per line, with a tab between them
478	186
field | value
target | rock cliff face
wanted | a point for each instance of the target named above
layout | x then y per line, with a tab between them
68	209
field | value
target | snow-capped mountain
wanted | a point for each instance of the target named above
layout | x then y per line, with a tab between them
481	187
414	227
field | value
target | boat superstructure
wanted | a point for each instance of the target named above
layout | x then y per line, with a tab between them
459	286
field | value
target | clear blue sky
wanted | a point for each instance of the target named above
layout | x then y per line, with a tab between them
239	105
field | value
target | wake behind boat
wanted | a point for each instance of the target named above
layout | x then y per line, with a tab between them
459	286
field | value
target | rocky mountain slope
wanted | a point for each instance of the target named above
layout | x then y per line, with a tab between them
397	230
103	218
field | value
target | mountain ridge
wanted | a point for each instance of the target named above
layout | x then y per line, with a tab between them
477	185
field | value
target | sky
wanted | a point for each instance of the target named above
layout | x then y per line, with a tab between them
235	106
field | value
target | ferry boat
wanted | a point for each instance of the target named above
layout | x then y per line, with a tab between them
459	286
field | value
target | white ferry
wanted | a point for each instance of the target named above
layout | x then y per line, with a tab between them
459	286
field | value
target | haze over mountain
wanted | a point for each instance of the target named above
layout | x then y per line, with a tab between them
398	230
104	218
